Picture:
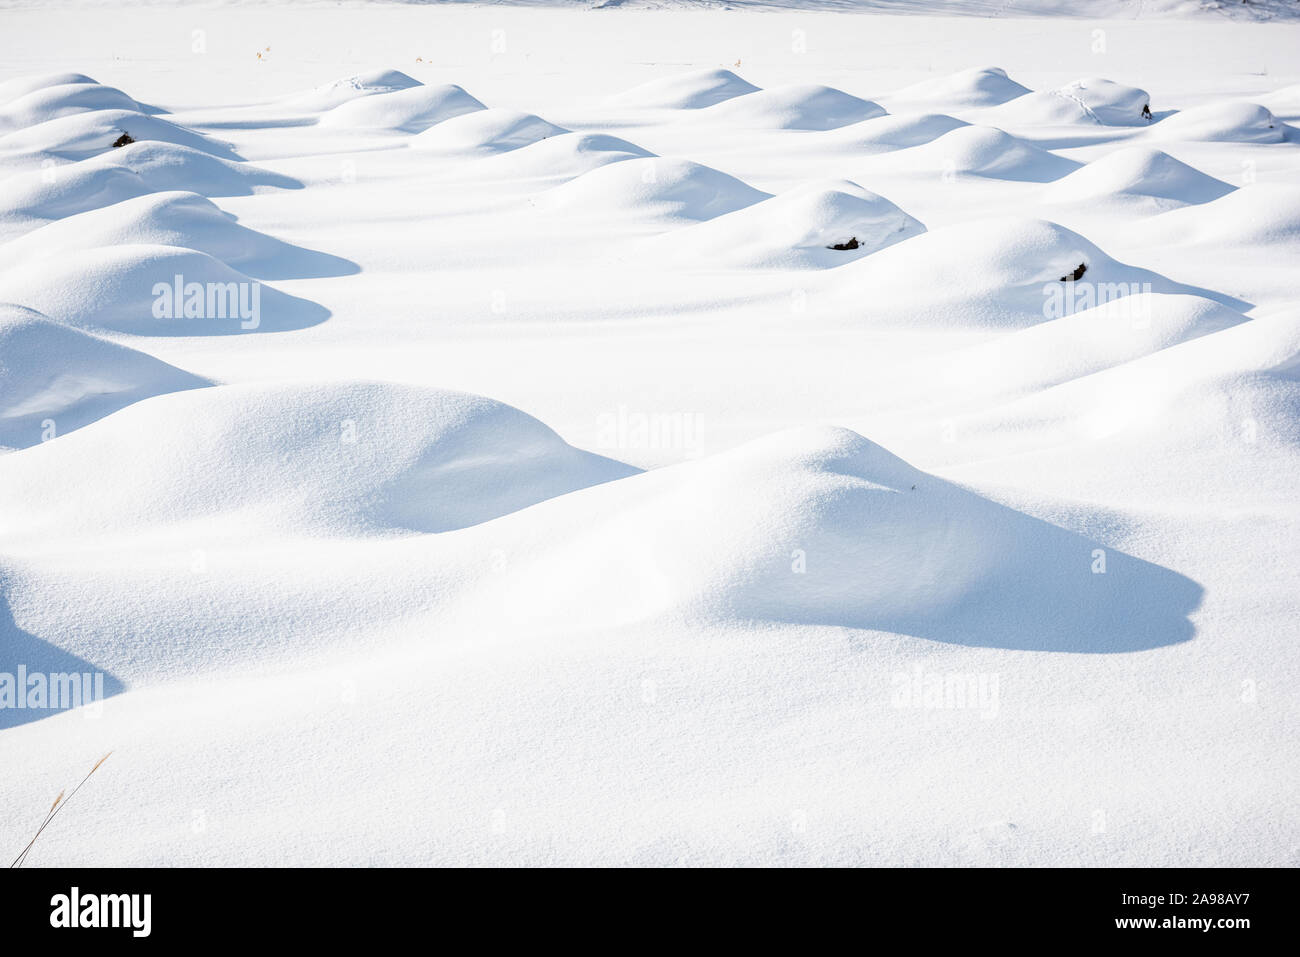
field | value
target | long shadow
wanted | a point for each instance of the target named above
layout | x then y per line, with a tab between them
486	491
1055	139
282	260
1163	284
136	295
95	378
20	649
262	123
1025	584
1146	279
27	430
279	312
278	259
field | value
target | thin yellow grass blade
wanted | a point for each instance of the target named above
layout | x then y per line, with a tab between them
54	810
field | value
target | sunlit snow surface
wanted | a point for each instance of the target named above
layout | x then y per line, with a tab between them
653	435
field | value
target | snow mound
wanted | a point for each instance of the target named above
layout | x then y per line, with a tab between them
564	156
120	174
165	166
171	218
1261	214
82	135
1185	399
684	91
121	288
20	86
821	526
409	110
54	379
31	199
885	133
803	107
312	459
348	88
653	187
1137	171
1283	103
988	273
965	90
52	102
1092	101
1223	122
797	229
979	151
486	132
1089	341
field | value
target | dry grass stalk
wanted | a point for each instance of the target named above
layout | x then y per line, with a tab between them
58	805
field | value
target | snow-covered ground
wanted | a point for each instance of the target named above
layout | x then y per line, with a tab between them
553	491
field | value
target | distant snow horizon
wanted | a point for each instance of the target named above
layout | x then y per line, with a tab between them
1245	10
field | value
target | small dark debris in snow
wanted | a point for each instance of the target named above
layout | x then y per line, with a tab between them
1146	112
123	140
851	244
1077	274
